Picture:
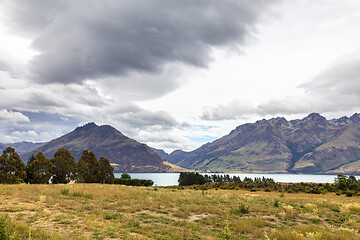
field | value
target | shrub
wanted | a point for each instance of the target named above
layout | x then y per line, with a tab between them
133	182
65	191
276	203
267	189
6	230
242	209
349	193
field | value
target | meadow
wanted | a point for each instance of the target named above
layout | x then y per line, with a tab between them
103	211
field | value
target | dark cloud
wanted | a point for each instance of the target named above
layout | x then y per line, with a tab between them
88	39
336	89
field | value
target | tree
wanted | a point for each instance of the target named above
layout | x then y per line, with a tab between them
39	169
190	178
125	176
107	171
12	169
88	168
64	166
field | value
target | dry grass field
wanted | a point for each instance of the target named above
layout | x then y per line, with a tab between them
95	211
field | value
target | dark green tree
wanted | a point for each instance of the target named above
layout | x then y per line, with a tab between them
39	169
341	182
125	176
88	168
191	178
31	158
12	169
64	166
107	171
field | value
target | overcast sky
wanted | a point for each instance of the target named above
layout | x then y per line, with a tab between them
173	74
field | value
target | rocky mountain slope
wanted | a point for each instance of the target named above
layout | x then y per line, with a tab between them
310	145
125	154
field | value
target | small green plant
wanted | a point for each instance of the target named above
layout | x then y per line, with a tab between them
276	203
316	220
226	233
267	189
65	191
112	216
282	195
78	194
6	230
242	209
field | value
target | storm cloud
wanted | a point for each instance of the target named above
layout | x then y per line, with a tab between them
88	39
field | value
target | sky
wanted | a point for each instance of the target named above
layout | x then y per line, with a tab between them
173	74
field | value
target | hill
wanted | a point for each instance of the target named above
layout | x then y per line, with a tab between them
310	145
125	154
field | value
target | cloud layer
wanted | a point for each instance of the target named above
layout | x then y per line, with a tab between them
86	39
335	89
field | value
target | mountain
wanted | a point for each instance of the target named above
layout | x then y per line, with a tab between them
125	154
20	147
161	152
309	145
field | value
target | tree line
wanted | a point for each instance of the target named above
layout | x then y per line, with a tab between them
125	179
191	178
347	185
60	169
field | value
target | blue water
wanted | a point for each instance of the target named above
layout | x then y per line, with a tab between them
170	179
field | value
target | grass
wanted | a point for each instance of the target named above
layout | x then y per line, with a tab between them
96	211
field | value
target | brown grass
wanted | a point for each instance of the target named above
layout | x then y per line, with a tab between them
95	211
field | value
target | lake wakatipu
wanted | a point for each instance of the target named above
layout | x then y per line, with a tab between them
171	179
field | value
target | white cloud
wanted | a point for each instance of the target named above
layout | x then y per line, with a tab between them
12	117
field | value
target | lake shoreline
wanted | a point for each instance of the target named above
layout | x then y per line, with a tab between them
171	179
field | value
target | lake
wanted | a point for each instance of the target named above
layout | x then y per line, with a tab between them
170	179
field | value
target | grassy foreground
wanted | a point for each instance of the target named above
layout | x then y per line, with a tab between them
95	211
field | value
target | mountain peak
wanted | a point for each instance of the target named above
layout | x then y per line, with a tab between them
87	126
314	116
125	154
355	117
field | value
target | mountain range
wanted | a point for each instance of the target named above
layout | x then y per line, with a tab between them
124	154
310	145
21	147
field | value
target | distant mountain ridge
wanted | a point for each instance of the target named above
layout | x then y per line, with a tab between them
125	154
21	147
309	145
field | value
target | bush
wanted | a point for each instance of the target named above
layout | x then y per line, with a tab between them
133	182
65	191
276	203
267	189
242	209
6	230
349	193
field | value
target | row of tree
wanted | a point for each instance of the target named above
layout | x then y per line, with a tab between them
125	179
192	178
61	169
348	185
